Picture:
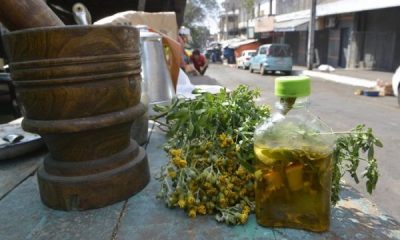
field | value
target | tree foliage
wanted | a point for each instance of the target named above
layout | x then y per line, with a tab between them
195	13
249	6
197	10
231	5
200	35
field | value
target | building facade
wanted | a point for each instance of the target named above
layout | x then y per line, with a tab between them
229	20
247	22
228	24
349	33
264	11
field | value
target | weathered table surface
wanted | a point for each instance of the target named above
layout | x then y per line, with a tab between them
23	216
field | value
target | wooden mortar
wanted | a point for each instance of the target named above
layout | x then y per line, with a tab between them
80	90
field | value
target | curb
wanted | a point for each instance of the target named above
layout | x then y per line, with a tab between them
359	82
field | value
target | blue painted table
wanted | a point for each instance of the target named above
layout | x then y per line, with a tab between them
23	216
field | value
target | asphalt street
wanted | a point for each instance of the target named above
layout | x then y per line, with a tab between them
337	105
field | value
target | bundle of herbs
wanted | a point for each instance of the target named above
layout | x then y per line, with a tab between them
210	149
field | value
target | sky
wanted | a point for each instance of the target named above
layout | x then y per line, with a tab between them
212	23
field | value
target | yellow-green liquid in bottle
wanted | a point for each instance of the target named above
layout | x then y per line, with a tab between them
293	188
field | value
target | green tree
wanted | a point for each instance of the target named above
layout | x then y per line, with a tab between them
197	10
231	5
195	13
248	5
200	35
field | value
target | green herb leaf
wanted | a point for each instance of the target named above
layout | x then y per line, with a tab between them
348	154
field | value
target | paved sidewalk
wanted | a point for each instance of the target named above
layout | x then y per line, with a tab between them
349	77
354	77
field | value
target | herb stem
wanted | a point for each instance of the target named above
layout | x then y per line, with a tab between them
342	132
288	103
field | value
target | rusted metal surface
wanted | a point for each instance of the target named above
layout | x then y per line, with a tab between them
22	216
15	142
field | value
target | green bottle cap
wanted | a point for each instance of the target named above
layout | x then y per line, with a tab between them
293	86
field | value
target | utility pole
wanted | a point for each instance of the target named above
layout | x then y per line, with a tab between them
270	8
311	33
226	25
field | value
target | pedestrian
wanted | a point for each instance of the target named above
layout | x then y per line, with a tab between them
213	57
183	39
200	62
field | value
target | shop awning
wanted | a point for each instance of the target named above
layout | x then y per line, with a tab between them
238	44
291	25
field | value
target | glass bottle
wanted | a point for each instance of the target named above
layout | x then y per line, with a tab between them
293	163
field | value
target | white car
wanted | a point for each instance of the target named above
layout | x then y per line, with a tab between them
396	84
244	60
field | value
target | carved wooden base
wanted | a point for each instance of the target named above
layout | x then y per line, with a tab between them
98	189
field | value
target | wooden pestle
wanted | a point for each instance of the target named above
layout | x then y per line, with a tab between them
21	14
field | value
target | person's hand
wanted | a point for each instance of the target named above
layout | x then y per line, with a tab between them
189	69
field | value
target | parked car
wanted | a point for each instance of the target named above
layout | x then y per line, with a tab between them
244	60
396	84
271	58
